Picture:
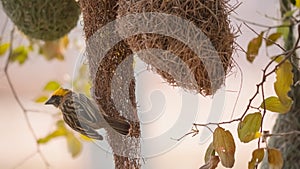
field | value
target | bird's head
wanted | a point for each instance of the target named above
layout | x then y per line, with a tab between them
57	96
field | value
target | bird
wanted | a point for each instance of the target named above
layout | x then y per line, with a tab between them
83	115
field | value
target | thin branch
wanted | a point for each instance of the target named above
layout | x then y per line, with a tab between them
239	91
282	134
193	131
260	25
278	45
288	56
16	97
264	110
30	156
49	113
259	87
220	123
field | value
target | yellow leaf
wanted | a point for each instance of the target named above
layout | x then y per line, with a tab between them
257	134
64	41
253	47
274	104
284	79
224	145
60	131
249	126
74	145
275	159
54	134
51	86
41	99
297	3
19	54
3	48
257	157
273	38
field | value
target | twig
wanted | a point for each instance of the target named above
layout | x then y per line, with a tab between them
282	134
193	131
239	91
220	123
26	159
25	112
259	87
278	45
40	112
288	56
260	25
264	110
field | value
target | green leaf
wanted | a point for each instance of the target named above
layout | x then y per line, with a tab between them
284	80
253	47
74	145
209	152
51	86
224	145
3	48
289	13
19	54
274	104
248	128
273	38
257	157
41	99
284	30
275	159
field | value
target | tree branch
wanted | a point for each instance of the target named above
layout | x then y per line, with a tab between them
25	112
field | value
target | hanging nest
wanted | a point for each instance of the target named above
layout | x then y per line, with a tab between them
44	20
210	16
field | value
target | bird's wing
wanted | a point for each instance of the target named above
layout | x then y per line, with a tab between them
87	110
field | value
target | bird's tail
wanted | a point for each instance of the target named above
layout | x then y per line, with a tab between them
120	125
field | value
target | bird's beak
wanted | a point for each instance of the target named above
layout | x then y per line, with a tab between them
50	101
54	100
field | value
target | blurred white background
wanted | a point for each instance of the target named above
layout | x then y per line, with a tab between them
17	142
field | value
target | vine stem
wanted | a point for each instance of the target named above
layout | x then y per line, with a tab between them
24	110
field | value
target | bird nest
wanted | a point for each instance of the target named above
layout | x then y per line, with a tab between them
44	20
191	61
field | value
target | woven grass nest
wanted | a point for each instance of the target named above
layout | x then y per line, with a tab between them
44	20
210	16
